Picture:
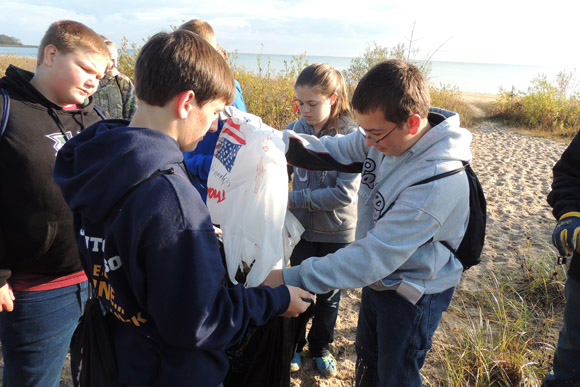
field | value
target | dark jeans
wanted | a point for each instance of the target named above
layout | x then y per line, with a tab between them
567	356
393	336
36	335
325	311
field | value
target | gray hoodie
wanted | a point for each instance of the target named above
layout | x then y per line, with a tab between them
325	201
396	221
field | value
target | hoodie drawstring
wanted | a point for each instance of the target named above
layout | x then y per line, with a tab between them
54	116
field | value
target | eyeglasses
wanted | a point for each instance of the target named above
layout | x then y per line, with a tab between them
372	140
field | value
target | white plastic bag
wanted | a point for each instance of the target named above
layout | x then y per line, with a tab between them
248	195
293	230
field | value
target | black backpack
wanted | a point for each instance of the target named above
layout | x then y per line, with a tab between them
469	250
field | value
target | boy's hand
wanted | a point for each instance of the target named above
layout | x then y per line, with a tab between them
300	300
6	299
274	279
566	236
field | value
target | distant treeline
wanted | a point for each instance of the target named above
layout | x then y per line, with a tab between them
9	40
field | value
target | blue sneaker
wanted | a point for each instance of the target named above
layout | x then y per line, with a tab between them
326	366
296	362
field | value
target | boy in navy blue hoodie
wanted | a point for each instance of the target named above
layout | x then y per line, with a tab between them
147	243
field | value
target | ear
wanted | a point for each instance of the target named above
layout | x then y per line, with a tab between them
414	122
333	98
185	103
50	52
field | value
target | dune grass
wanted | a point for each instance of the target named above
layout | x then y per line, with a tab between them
18	61
549	108
503	331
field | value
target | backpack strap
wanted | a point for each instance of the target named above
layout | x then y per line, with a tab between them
5	112
437	177
442	175
99	112
118	206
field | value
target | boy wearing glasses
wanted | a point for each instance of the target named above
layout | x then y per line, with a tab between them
408	276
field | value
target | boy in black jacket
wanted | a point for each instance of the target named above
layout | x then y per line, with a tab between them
42	283
565	201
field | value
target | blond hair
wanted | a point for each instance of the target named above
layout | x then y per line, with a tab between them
202	28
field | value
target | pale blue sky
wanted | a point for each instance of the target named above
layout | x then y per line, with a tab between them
493	31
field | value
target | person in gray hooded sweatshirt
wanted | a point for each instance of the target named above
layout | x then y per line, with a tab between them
408	276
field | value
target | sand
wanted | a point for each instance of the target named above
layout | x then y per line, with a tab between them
516	172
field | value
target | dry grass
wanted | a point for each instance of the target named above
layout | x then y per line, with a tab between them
24	63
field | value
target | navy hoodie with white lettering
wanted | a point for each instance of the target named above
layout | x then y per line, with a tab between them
155	262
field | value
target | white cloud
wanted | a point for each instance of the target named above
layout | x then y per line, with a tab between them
496	31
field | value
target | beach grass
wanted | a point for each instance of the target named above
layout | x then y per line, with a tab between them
501	332
18	61
549	108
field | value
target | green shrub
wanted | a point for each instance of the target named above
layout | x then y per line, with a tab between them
127	58
547	106
451	99
269	94
371	56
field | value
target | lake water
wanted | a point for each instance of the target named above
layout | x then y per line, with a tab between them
468	77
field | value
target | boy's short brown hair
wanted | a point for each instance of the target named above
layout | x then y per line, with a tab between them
71	36
170	63
396	87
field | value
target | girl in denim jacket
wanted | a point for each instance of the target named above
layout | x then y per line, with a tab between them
325	202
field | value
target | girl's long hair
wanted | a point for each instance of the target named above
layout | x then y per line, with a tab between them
326	80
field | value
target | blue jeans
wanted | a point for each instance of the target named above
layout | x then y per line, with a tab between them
567	356
36	335
393	336
325	311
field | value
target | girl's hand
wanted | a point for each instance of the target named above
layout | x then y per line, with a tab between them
6	299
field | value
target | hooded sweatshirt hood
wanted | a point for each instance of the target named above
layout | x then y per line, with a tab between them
90	170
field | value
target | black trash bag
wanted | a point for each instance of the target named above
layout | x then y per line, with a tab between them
263	356
93	358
